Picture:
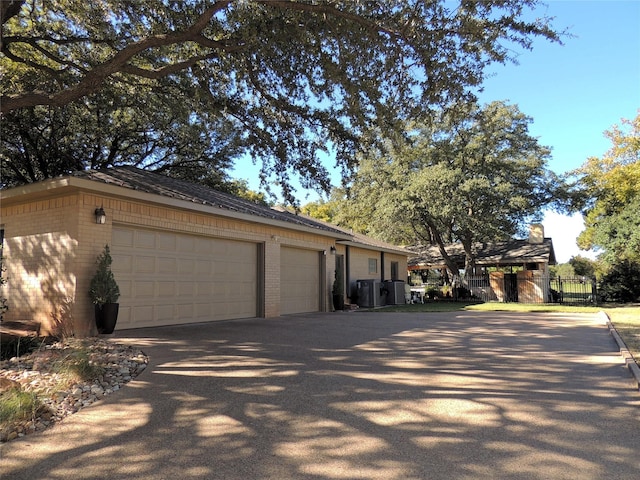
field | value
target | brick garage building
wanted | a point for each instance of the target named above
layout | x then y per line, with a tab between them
182	253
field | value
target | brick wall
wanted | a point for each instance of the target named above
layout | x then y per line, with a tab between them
40	251
359	266
51	247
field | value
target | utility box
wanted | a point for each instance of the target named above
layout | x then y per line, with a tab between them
369	293
395	292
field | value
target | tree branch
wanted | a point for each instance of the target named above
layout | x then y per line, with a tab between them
9	9
93	79
331	10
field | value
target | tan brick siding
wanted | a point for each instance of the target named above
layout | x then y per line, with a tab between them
52	245
359	265
42	260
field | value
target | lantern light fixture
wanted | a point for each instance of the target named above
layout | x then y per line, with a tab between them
101	216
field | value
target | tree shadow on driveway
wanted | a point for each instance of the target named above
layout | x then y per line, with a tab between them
462	395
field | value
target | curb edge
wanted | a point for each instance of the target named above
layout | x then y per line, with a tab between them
624	351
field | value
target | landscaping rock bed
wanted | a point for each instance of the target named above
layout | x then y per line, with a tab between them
34	372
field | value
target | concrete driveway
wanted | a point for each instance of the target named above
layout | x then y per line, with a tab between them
357	396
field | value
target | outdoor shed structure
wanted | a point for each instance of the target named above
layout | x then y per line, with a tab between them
182	253
513	270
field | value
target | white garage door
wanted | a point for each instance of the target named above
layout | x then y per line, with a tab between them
300	280
168	278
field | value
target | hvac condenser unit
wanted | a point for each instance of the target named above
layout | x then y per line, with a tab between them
369	293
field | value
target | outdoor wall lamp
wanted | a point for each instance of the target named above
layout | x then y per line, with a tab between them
332	249
101	216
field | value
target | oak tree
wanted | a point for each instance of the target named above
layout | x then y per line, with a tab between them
475	175
292	78
609	187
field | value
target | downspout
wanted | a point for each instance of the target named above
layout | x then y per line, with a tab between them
347	272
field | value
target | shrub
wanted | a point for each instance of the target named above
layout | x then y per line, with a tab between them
15	346
433	293
103	288
77	366
463	293
622	283
16	404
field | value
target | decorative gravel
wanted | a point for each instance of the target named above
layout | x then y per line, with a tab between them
33	372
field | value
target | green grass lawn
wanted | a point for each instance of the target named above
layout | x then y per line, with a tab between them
625	318
627	323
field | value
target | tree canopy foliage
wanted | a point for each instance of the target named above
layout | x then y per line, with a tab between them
188	85
584	267
475	175
610	194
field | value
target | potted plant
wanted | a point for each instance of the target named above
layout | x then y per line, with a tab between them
338	290
104	293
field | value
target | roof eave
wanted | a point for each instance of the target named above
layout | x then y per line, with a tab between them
377	248
55	186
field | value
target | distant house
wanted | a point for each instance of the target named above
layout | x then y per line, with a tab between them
513	270
182	253
534	253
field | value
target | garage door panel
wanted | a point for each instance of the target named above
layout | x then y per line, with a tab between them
236	275
167	242
203	310
203	268
166	289
219	249
144	264
125	288
166	312
124	315
203	246
122	263
140	313
122	238
183	278
222	270
185	244
166	265
186	266
144	239
300	280
185	311
237	295
186	289
144	289
205	289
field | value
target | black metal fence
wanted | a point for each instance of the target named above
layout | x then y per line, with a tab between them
533	289
574	290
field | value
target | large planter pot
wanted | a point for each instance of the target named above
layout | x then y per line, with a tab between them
106	317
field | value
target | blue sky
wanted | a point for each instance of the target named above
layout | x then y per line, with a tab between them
576	91
572	92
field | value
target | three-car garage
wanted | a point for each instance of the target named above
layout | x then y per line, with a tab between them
169	278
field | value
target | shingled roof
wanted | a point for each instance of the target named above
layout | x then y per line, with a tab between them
359	239
156	183
509	253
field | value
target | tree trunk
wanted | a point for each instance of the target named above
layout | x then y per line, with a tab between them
451	265
469	257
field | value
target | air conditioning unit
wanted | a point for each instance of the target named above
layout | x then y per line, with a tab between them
395	292
369	295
